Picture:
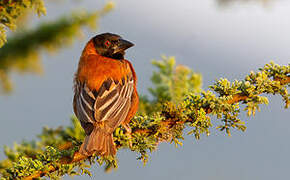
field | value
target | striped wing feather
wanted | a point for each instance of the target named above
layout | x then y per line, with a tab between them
110	104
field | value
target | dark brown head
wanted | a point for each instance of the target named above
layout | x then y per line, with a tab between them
111	45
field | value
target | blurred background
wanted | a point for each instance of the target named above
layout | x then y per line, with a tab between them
218	38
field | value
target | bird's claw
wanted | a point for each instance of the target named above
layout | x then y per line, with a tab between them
128	133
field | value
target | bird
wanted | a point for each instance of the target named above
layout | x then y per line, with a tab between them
105	92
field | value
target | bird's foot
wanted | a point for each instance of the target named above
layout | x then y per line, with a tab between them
128	133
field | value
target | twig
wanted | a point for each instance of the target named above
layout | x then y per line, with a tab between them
168	123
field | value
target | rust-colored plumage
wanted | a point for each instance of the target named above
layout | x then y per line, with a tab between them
105	92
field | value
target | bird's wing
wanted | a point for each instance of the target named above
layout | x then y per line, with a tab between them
109	104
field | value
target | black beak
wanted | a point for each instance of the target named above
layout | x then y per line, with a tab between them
123	45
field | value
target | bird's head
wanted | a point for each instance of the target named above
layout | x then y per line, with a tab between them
111	45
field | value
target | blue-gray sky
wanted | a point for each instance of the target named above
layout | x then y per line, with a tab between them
217	41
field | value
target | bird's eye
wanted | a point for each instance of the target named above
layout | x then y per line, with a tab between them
107	44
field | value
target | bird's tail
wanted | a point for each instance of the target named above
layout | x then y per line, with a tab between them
99	142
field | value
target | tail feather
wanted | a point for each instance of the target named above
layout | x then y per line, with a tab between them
110	149
98	142
113	149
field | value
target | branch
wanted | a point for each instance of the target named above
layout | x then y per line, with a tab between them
10	11
168	124
20	56
65	160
